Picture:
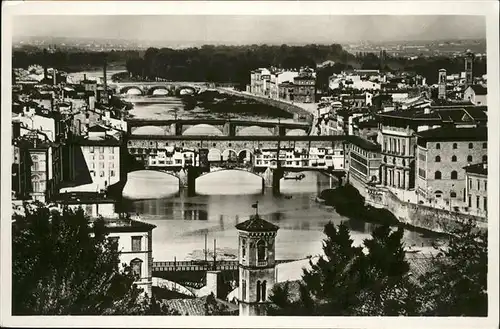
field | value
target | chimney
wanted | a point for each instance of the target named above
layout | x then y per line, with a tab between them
84	77
212	282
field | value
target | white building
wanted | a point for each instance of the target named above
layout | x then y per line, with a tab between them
476	94
135	243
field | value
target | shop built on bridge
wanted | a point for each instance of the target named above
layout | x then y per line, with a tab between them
269	157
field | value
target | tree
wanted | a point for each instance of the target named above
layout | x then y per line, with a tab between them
457	283
61	265
347	281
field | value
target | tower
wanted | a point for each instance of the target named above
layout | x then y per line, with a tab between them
469	61
442	84
256	264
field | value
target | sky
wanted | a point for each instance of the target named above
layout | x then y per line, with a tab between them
253	29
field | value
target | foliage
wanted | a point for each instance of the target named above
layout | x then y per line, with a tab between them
457	283
61	265
346	281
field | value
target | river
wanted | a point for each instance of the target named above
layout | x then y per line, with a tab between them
182	222
225	199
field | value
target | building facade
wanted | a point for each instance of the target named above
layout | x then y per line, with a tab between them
442	84
476	94
256	240
363	161
134	240
476	189
442	153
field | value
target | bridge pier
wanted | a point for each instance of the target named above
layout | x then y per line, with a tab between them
272	179
229	129
192	174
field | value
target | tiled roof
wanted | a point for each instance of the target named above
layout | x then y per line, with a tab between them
452	133
256	224
478	168
196	306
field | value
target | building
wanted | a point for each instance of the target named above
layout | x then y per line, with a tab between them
301	90
135	243
256	264
94	204
442	84
469	68
441	154
397	135
476	188
278	78
476	94
260	82
41	163
96	159
363	162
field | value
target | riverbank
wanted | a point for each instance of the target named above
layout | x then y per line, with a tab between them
348	202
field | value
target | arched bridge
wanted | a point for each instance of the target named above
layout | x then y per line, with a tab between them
158	88
215	127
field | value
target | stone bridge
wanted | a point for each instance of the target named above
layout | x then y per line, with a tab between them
270	157
215	127
162	87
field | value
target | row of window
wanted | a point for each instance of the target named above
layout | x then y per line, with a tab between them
395	145
438	175
478	202
101	157
94	149
101	173
136	242
454	158
455	146
101	165
260	289
479	184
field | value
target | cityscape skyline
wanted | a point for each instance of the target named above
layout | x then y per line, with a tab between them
199	30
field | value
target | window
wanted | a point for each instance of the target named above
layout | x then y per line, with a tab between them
478	185
111	165
112	173
454	158
91	149
485	145
485	203
453	194
243	248
485	185
438	146
485	158
261	251
470	183
470	201
101	173
244	289
101	156
477	202
438	158
469	158
437	175
263	288
101	149
136	266
111	150
136	243
92	164
259	290
471	145
455	146
454	174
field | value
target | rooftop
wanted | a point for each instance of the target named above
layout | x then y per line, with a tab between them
453	133
256	224
364	144
127	225
197	306
83	197
478	168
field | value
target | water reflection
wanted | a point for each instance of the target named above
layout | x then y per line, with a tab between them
182	222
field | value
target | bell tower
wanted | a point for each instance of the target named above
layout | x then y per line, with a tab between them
442	84
469	62
257	264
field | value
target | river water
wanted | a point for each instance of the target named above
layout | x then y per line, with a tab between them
224	199
182	222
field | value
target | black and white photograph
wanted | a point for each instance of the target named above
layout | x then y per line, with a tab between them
203	160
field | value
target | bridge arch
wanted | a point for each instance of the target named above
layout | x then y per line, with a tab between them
148	130
158	90
202	130
214	155
254	131
186	90
296	132
245	156
229	155
131	90
151	184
